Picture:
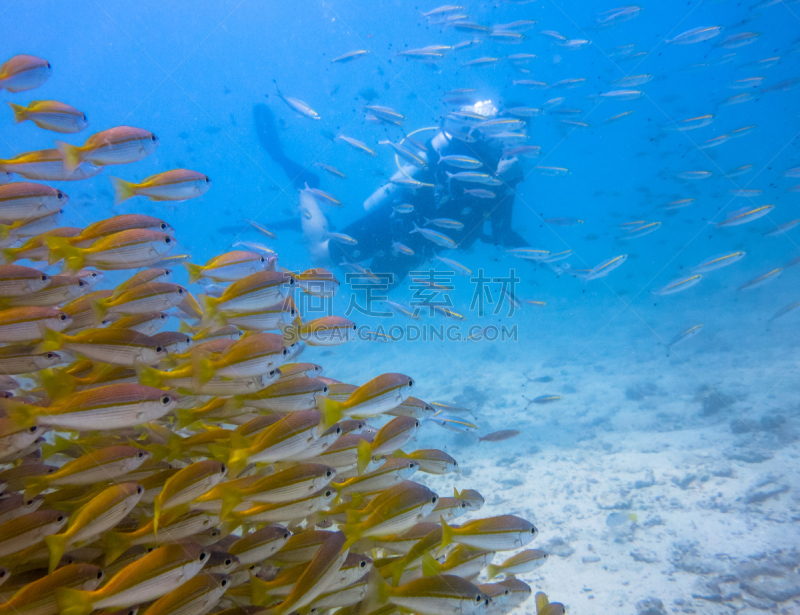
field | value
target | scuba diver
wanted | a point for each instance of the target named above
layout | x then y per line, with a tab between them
430	188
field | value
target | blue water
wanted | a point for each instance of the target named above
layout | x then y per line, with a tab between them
193	72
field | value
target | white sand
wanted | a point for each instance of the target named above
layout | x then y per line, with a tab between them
637	433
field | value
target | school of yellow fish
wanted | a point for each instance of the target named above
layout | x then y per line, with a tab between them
205	469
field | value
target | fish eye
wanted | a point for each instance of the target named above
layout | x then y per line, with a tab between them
83	116
328	493
159	349
416	424
286	534
328	474
410	383
165	400
222	468
338	430
139	489
163	316
167	239
51	355
154	138
48	65
29	502
81	283
59	195
434	499
140	454
291	282
262	259
533	530
62	317
44	277
411	465
224	582
99	574
292	312
325	390
203	555
362	564
478	599
163	226
228	561
208	179
180	291
33	429
60	518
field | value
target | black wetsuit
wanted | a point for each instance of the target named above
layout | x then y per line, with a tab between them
381	227
378	229
268	137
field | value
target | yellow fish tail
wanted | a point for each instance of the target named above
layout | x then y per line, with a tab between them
397	568
9	255
230	500
59	444
123	190
430	567
542	603
447	533
185	327
20	112
210	308
148	376
259	592
378	592
116	544
364	455
57	544
331	411
33	487
74	601
100	309
53	340
195	271
70	154
205	370
60	248
23	415
237	460
156	513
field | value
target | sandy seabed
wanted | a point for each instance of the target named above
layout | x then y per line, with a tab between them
664	483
